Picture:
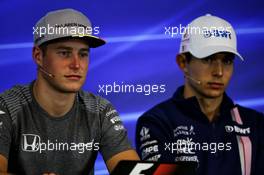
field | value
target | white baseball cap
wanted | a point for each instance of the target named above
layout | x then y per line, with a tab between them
207	35
63	24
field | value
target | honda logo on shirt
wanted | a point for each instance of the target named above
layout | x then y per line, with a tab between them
30	142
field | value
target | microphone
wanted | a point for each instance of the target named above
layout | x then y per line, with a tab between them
194	80
45	72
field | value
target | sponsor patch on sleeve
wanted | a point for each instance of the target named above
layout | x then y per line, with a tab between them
2	112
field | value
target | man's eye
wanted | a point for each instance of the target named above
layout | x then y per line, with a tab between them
207	60
84	55
64	53
228	61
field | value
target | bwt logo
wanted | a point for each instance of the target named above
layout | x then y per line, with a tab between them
217	33
238	130
31	142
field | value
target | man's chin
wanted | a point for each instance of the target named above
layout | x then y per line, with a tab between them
73	89
214	94
70	89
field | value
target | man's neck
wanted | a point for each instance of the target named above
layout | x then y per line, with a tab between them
55	103
209	106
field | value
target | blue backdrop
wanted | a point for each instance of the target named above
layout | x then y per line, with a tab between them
138	51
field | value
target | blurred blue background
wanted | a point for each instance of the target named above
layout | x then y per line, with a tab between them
138	51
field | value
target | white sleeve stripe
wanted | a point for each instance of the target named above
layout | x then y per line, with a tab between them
2	112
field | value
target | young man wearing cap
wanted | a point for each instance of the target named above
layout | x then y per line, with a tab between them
200	123
52	126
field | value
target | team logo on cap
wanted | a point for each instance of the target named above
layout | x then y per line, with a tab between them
217	33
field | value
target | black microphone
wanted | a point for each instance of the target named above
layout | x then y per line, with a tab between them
45	72
194	80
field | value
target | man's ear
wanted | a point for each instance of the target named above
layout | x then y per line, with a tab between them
37	55
182	62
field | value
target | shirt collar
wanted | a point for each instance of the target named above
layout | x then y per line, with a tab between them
192	107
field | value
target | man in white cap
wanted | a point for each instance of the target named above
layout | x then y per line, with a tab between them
200	123
52	126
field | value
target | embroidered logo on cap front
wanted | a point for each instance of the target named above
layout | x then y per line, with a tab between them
217	33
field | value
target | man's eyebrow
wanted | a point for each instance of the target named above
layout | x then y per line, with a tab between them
85	49
64	48
70	48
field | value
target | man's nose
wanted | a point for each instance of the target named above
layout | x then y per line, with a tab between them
218	68
75	62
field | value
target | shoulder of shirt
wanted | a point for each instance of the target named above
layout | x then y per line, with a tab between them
159	111
249	113
12	100
92	102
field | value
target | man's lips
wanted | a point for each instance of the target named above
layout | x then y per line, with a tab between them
73	77
215	85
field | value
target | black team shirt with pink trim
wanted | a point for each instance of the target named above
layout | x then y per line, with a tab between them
177	130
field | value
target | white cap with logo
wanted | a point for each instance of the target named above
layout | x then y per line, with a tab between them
207	35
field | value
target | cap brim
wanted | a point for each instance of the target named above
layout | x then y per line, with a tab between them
210	50
93	41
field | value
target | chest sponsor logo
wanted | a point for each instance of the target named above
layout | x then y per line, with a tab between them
144	133
30	142
148	143
237	129
187	159
149	150
33	143
154	158
184	130
185	146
